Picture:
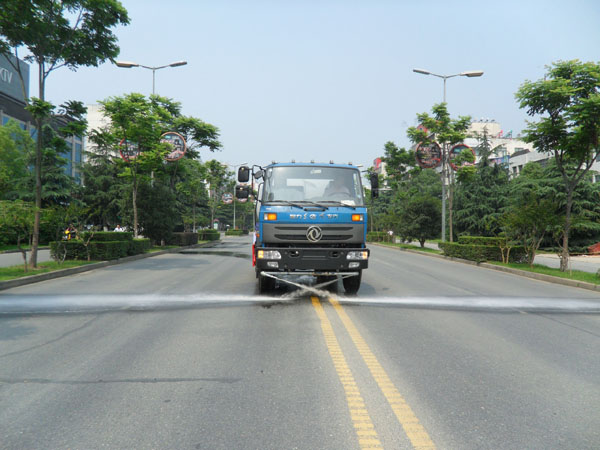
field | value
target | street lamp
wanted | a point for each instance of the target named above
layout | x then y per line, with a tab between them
129	65
470	74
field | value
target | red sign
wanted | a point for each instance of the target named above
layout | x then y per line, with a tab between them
128	150
177	144
429	155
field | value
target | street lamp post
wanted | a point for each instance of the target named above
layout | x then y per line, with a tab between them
129	65
470	74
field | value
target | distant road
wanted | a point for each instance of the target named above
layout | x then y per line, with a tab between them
179	351
16	258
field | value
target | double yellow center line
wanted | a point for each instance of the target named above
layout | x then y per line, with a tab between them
365	430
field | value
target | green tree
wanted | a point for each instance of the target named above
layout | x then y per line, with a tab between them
191	189
532	212
216	176
481	200
56	33
18	216
103	188
446	132
421	218
15	145
567	105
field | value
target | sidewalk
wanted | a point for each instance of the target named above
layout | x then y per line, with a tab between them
587	263
16	258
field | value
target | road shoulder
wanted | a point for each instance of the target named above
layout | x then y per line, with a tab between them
523	273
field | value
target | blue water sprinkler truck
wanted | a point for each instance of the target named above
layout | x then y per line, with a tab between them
311	219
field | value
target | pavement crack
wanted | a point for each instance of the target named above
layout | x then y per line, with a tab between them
52	341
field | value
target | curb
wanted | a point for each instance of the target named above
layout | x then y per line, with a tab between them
74	270
522	273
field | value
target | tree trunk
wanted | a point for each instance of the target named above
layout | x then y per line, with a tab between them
564	256
38	173
451	205
135	212
194	217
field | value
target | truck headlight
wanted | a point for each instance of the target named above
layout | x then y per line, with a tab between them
268	254
357	255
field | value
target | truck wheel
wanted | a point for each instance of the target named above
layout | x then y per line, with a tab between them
352	284
265	284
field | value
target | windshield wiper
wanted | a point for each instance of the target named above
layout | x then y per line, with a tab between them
336	203
302	204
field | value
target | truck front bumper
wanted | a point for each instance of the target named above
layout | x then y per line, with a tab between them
311	260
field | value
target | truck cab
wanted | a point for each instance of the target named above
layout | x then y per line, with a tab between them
311	219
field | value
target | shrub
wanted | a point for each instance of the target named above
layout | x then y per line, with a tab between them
183	238
209	235
482	240
378	236
480	253
109	236
138	246
234	233
98	250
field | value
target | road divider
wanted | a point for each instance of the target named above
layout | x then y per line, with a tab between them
363	426
416	433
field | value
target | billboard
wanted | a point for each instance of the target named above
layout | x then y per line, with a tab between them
10	83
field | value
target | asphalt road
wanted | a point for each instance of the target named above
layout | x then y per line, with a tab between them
179	351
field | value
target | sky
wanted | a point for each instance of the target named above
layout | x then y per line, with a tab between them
333	79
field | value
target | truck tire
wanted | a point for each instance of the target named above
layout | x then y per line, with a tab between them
265	284
352	284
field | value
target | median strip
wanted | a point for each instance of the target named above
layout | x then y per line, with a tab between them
363	426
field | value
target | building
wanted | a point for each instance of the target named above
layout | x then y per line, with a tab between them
503	144
13	99
519	159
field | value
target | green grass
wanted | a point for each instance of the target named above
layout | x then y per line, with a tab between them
570	275
12	272
412	247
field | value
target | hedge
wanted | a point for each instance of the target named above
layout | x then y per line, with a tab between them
139	246
481	253
482	240
99	250
209	235
107	236
379	236
234	233
183	239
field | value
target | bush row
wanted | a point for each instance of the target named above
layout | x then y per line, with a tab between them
183	239
209	235
379	236
480	253
98	250
235	232
482	240
107	236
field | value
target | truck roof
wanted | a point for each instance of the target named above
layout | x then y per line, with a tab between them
312	163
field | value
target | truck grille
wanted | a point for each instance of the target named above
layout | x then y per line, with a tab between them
279	233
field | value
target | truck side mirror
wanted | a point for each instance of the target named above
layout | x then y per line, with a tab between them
243	174
242	192
374	179
259	174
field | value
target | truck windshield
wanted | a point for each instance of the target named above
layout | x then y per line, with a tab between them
313	184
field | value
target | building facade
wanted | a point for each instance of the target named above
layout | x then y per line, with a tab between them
14	92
